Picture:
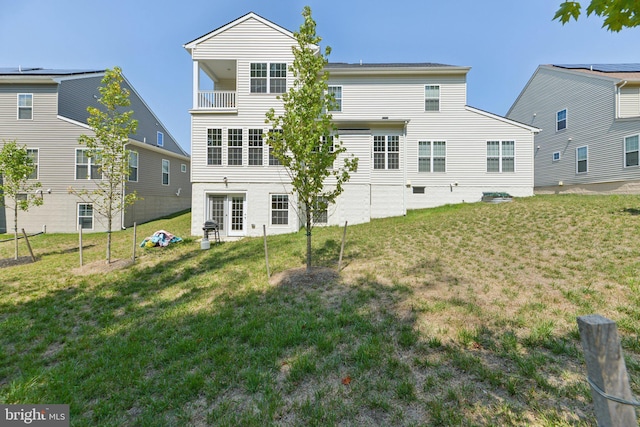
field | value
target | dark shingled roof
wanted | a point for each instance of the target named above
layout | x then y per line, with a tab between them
603	68
34	71
387	65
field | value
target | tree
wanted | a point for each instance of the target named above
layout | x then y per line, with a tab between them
112	127
618	14
301	138
17	172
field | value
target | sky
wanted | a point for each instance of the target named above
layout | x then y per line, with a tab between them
503	41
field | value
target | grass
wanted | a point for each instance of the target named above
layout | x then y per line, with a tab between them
459	315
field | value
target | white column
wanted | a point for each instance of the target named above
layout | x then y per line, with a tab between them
196	83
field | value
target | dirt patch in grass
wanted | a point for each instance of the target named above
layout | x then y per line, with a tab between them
301	277
10	262
98	267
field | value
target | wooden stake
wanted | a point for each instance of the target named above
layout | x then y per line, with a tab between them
80	239
266	252
344	237
133	257
26	239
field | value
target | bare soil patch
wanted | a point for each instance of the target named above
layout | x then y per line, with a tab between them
10	262
101	266
301	277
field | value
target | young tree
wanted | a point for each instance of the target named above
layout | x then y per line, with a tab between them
301	138
112	126
17	168
618	14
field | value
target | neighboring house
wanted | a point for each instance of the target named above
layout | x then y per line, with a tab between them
417	142
46	110
589	116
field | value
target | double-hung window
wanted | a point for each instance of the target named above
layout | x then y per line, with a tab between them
273	160
166	168
336	92
561	119
214	146
321	215
582	159
87	167
432	156
386	152
25	106
432	98
255	147
234	150
268	77
279	209
500	156
631	150
133	166
34	156
85	216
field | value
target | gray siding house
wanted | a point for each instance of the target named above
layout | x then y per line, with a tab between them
589	116
46	110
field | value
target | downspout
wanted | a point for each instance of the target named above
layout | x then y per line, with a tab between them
404	177
619	93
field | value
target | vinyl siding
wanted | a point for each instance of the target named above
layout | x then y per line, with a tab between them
591	106
629	102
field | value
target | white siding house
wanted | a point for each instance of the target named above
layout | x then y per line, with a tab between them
418	143
46	111
589	116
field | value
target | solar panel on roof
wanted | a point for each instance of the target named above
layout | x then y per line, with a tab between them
604	68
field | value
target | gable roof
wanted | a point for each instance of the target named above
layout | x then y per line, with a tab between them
43	75
251	15
337	68
619	72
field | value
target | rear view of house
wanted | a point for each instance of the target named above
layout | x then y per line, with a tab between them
418	143
590	121
46	110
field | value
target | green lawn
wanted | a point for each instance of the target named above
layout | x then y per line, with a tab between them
461	315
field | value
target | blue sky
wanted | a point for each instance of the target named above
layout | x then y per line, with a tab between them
502	40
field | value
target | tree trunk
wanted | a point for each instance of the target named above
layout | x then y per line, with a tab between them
308	239
109	239
15	228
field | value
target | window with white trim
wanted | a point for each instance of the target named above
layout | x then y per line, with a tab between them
582	159
321	215
631	151
432	98
25	106
561	119
336	91
279	209
34	155
160	139
255	147
166	168
87	167
85	216
133	166
386	152
268	77
500	156
556	156
234	149
273	160
432	156
183	168
214	146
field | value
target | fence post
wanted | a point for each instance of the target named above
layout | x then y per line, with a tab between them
266	252
607	370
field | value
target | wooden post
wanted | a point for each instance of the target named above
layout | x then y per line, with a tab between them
133	257
80	243
344	236
266	253
26	239
607	370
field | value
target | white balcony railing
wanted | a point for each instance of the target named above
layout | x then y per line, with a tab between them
216	99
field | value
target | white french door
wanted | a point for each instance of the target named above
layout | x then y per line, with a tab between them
230	212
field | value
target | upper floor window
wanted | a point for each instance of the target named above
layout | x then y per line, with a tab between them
133	166
35	157
386	152
432	156
25	106
255	147
561	119
234	151
500	156
87	167
582	159
268	78
214	146
166	168
183	168
432	98
556	156
336	91
160	139
631	151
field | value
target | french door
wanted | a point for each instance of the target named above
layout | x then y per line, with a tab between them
230	212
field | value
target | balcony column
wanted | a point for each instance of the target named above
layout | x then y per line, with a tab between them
196	83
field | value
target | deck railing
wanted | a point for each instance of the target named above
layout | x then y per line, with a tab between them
216	99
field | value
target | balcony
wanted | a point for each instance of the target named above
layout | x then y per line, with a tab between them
219	100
